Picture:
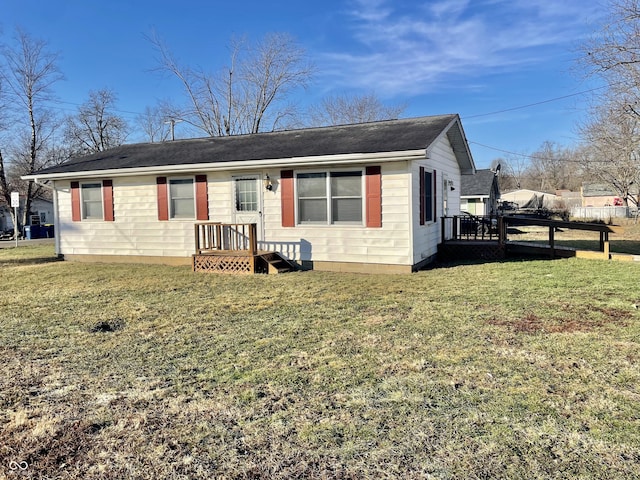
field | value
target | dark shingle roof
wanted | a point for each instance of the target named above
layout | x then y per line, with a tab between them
479	184
385	136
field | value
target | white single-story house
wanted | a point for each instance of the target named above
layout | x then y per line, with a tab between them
479	193
363	197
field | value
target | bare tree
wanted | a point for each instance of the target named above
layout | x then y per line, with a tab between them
344	109
249	95
154	122
513	170
552	167
95	127
613	54
612	133
612	154
27	72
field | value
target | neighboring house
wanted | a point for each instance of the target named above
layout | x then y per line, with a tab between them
534	199
363	197
41	213
599	195
479	193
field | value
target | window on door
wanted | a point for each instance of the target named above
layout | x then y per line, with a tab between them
246	194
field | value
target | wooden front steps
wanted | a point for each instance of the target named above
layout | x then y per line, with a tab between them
241	262
276	263
233	248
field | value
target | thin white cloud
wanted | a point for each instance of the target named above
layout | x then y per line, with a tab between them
418	49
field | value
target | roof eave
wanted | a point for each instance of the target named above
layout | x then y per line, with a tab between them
237	165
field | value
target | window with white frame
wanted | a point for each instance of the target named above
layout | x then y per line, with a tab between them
333	197
181	198
91	194
246	194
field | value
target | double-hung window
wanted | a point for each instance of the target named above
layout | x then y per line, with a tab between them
181	198
330	198
91	195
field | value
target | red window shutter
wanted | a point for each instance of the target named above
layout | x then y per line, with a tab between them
163	201
434	196
373	185
287	199
107	200
202	198
422	199
76	214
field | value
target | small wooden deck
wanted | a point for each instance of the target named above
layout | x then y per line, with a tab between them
459	242
233	248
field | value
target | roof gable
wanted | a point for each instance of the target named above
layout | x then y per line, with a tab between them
405	135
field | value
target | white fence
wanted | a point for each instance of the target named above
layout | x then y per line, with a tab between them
600	213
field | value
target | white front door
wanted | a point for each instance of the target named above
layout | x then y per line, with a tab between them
247	201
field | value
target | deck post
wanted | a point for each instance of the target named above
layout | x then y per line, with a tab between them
502	230
253	240
605	245
218	236
443	224
455	227
552	241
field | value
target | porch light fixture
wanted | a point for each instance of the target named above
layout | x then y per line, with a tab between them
450	183
268	184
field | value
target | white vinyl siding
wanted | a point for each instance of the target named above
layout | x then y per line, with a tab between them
348	242
427	237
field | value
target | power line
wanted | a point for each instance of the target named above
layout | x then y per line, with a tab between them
524	155
541	102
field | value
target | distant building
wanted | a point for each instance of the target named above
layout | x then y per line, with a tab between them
525	198
599	195
479	193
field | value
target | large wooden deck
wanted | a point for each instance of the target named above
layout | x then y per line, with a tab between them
460	240
233	248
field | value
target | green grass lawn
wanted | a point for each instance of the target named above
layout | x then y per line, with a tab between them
522	369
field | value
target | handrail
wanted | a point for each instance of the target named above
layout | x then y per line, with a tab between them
226	237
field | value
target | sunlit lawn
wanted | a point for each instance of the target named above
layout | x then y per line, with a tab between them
521	369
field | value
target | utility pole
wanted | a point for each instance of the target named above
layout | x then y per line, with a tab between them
172	122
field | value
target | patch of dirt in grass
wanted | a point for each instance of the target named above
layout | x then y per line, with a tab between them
107	326
567	319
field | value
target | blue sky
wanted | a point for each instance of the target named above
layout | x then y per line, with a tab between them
472	57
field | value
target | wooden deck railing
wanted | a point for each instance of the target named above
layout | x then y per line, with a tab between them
473	228
214	237
461	228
